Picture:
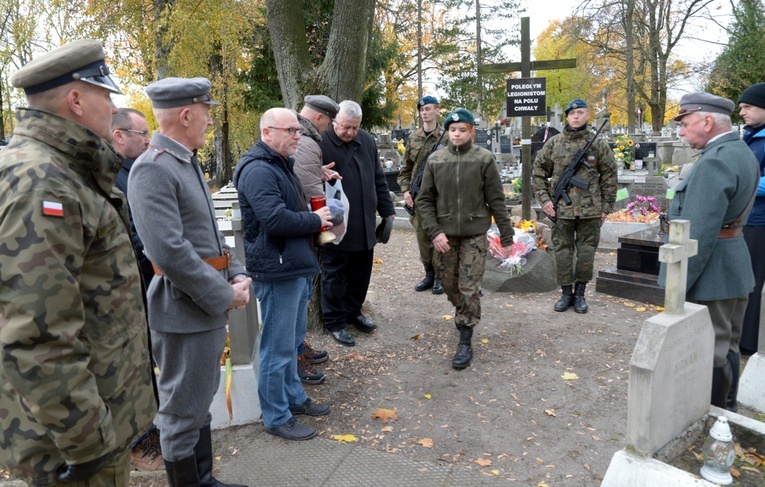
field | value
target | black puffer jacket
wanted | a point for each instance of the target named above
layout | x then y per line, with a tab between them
278	228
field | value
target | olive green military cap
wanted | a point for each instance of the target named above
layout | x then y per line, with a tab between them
180	92
81	60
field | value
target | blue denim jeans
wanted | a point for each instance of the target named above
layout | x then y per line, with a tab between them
284	309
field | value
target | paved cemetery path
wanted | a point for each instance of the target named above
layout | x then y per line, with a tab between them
512	414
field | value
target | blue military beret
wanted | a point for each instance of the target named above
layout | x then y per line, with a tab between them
180	92
704	102
459	115
575	103
427	100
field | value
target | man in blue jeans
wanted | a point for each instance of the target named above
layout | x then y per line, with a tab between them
279	232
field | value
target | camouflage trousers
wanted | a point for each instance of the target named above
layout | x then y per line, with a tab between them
423	241
461	270
575	242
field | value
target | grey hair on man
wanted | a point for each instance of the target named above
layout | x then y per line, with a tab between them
350	109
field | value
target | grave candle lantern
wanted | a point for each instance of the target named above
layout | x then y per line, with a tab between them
325	236
718	453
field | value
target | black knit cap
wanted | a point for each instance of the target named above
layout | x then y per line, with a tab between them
754	95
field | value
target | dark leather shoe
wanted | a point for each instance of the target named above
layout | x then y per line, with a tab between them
343	337
364	324
293	430
310	408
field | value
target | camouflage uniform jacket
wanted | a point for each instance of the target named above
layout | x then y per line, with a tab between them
74	358
461	192
553	158
418	147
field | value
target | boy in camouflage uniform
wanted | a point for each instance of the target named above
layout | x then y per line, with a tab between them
418	147
457	225
74	354
576	231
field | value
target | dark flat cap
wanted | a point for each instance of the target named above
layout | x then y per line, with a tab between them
382	232
427	100
575	103
322	104
81	60
704	102
180	92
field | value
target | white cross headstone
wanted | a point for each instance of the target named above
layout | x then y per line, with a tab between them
670	376
676	254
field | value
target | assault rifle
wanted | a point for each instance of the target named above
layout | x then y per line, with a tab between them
414	186
568	179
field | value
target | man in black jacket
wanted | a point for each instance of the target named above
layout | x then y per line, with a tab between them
346	267
278	243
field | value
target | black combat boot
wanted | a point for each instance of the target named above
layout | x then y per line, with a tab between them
566	299
204	456
182	473
438	288
464	350
580	305
426	283
735	361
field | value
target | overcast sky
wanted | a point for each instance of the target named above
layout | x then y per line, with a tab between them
702	42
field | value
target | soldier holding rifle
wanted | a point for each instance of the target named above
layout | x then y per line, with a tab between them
586	200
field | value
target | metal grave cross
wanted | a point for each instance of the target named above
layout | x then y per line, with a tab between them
525	67
676	254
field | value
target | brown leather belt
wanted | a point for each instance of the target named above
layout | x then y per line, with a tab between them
218	263
730	232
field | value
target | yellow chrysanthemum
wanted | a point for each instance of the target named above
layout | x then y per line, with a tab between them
630	142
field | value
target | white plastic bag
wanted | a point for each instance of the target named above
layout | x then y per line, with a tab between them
333	189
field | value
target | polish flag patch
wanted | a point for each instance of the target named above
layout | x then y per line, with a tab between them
53	208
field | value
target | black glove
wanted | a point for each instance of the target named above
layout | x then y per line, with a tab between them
82	471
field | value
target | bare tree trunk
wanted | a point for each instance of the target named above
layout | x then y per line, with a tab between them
162	46
343	71
286	26
479	79
630	68
419	50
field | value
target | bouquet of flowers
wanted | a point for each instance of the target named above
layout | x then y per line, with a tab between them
644	204
623	149
514	260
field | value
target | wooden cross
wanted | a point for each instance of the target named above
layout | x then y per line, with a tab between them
525	67
676	254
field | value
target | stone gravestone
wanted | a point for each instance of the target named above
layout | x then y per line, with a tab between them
670	377
751	386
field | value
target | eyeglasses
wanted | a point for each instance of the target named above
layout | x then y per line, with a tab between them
143	133
290	130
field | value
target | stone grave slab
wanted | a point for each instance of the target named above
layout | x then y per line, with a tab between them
670	377
751	386
670	380
538	275
636	273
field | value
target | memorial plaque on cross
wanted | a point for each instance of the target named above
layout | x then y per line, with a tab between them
525	67
676	254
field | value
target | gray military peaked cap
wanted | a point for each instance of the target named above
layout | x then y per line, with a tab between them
81	60
322	104
704	102
180	92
